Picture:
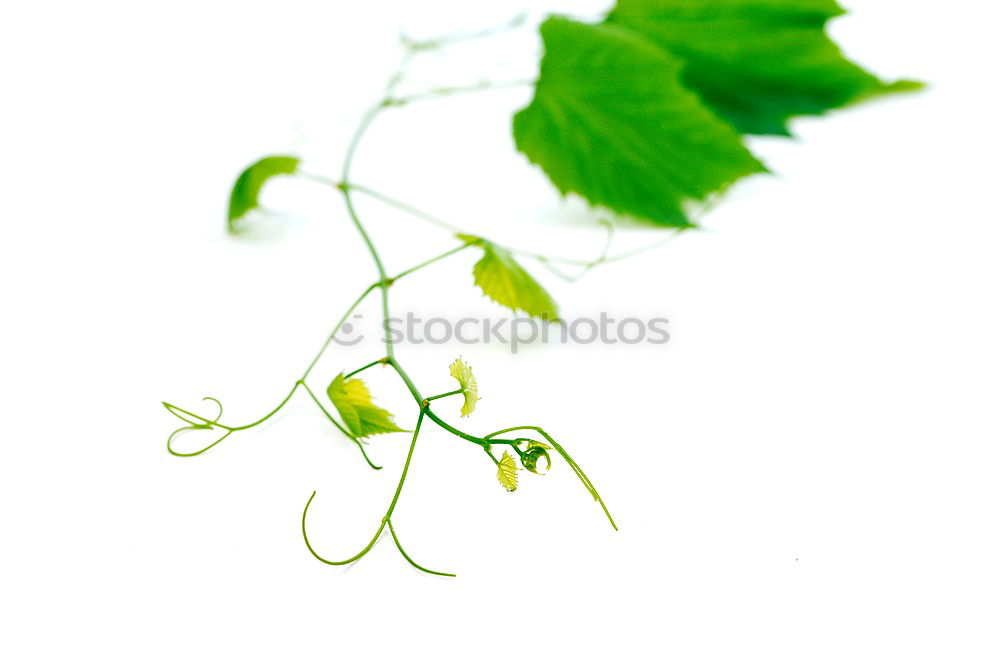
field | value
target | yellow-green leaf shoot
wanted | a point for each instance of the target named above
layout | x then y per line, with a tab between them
505	281
507	472
360	414
467	381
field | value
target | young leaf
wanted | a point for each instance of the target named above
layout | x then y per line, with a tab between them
247	187
354	403
467	381
531	456
507	472
611	121
505	281
757	63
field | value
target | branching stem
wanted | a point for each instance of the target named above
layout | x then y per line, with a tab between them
386	520
383	284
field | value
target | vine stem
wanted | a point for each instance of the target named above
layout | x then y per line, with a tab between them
383	284
366	122
445	394
430	261
329	339
447	91
386	520
569	461
414	45
204	423
547	260
366	367
403	206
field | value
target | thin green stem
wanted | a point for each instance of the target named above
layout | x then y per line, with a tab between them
383	360
447	393
589	267
170	440
448	91
482	442
402	206
492	456
646	248
443	224
211	424
180	412
569	461
305	536
203	422
359	134
395	538
454	431
340	323
406	380
511	429
406	466
548	260
385	519
414	46
319	178
269	414
430	261
184	415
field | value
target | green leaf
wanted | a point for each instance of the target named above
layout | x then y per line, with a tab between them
611	121
536	443
757	63
354	403
505	281
531	456
247	187
467	381
507	472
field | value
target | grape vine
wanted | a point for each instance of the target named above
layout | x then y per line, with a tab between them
640	114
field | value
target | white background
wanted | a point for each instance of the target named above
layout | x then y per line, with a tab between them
805	475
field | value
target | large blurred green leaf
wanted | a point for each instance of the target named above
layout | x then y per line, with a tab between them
612	121
757	63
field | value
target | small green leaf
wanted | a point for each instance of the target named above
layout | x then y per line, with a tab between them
467	381
756	63
536	443
505	281
507	472
247	187
531	456
612	122
354	403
